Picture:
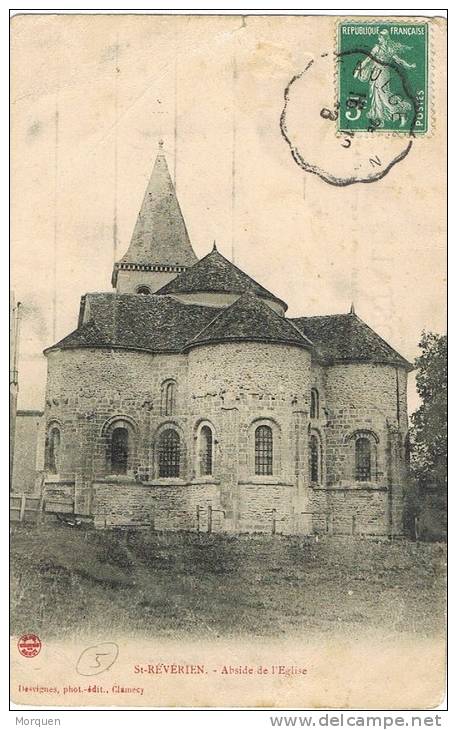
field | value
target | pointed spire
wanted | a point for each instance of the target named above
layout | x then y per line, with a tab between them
352	309
214	245
160	236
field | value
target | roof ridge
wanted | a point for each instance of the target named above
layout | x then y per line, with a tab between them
263	307
384	341
283	319
150	297
325	316
246	275
216	273
296	328
346	338
219	314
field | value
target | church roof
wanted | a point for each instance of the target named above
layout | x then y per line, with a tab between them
340	338
158	323
160	235
215	273
136	322
249	319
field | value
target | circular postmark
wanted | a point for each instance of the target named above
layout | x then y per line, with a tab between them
309	125
29	645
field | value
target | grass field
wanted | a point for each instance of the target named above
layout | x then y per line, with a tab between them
68	582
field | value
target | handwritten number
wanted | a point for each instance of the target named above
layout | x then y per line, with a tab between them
97	659
97	665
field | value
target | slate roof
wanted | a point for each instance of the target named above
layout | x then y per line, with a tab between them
215	273
133	321
346	338
250	319
160	235
159	323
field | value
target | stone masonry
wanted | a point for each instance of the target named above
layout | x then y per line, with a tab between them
293	426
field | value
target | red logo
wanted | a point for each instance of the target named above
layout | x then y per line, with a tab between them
29	645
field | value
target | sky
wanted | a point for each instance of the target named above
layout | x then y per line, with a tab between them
92	96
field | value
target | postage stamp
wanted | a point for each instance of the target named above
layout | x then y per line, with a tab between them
383	77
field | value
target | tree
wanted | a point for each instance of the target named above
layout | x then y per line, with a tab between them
429	424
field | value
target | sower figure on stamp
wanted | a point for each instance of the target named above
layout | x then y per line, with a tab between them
376	70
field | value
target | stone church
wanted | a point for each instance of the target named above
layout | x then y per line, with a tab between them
186	399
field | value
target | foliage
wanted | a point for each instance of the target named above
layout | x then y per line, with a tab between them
429	423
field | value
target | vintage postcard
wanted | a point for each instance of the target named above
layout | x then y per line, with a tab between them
228	361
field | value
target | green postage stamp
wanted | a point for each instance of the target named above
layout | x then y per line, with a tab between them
383	77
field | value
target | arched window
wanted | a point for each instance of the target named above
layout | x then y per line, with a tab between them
119	450
263	450
143	290
315	459
169	453
314	410
363	459
53	450
205	451
119	437
168	400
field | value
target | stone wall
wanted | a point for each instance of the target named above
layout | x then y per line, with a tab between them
232	388
362	397
369	399
250	368
87	388
266	507
350	511
242	386
162	506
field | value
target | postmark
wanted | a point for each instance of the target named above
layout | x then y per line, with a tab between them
354	111
29	645
309	125
383	77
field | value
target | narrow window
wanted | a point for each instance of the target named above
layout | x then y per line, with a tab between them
264	450
206	451
314	410
168	398
314	459
363	460
52	451
169	453
119	450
